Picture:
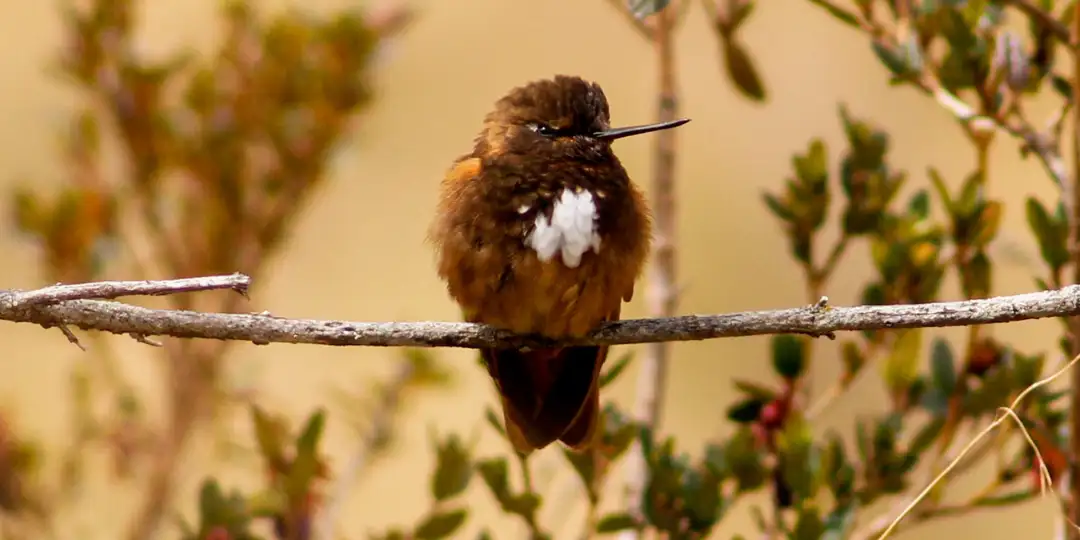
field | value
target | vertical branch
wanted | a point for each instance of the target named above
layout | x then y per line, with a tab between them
1071	196
661	292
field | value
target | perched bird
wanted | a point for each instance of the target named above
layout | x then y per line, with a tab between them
539	230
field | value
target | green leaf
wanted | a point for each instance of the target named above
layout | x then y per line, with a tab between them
788	356
903	363
891	59
971	194
746	411
741	70
617	367
494	471
744	460
978	275
839	522
987	227
523	504
778	208
840	14
615	523
942	190
440	525
754	389
584	466
919	206
942	366
740	12
306	464
211	502
1049	235
809	525
269	436
492	419
644	8
799	461
453	469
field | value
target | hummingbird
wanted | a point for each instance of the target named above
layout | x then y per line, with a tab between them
540	231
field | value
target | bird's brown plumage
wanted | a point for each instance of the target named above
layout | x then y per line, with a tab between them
488	206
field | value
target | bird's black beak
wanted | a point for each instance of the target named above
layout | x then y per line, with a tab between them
618	133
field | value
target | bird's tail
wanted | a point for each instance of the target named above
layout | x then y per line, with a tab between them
548	394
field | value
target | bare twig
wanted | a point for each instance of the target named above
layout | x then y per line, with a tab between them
661	293
108	290
119	318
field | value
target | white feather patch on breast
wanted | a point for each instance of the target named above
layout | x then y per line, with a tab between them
571	230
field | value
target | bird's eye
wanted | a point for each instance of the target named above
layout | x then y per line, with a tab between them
543	130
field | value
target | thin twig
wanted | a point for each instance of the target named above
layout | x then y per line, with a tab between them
1005	414
119	318
662	290
109	290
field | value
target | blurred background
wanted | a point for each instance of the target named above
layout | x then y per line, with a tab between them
357	248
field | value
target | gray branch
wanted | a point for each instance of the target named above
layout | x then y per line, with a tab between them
64	306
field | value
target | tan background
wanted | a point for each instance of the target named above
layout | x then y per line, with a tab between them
359	251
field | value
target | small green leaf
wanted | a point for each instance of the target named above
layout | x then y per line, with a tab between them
903	363
987	227
305	465
492	419
942	366
788	356
1052	243
977	277
744	460
840	14
453	469
919	206
523	504
741	70
615	523
494	471
778	208
585	467
942	190
809	525
740	12
745	411
440	525
617	367
754	389
891	59
799	460
644	8
269	435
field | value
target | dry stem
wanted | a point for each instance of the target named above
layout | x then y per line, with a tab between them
661	294
1006	413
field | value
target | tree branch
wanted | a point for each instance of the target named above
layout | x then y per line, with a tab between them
263	328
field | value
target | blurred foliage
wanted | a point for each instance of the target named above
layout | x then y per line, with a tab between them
221	153
218	155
